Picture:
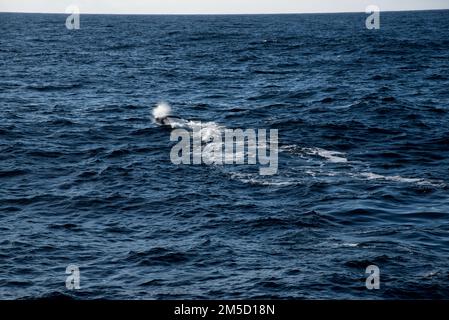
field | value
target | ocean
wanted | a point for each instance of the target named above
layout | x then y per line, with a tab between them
86	177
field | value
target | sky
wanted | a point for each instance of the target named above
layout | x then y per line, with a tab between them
216	6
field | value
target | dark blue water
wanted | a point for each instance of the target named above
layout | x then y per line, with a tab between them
86	179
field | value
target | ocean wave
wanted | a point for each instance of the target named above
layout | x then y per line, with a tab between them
12	173
55	87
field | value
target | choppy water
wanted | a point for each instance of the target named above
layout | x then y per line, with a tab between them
86	178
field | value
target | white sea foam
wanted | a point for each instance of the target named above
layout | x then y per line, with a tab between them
331	156
255	179
328	155
396	178
374	176
358	170
349	244
208	130
220	146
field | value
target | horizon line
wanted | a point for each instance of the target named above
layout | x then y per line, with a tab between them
220	14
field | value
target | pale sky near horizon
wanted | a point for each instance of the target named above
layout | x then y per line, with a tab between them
216	6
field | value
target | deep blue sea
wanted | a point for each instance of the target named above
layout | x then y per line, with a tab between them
86	176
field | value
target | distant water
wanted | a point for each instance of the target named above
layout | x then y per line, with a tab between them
86	179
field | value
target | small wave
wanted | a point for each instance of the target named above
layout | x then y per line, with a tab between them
389	99
118	153
436	76
53	296
327	100
143	131
60	122
122	47
157	256
45	154
54	87
65	226
45	198
12	173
